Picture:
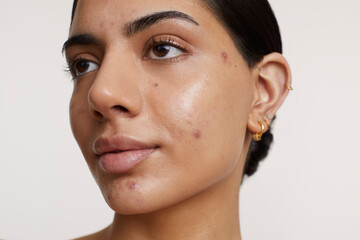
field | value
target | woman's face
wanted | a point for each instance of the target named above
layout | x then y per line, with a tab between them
161	100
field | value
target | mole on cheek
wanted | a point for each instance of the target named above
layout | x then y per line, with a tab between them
155	84
197	134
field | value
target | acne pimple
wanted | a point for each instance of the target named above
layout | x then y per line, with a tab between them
112	23
197	134
225	57
133	186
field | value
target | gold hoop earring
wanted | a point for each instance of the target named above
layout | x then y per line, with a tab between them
257	136
267	123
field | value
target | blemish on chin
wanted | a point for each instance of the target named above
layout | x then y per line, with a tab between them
197	134
133	186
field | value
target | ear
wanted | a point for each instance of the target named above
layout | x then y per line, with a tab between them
272	84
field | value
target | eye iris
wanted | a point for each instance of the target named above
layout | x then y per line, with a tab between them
82	66
161	50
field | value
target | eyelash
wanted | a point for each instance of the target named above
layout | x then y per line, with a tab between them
164	40
153	42
69	68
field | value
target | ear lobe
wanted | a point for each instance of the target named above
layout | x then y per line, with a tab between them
273	83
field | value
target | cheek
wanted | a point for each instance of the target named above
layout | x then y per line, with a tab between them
205	118
185	107
77	112
80	121
83	128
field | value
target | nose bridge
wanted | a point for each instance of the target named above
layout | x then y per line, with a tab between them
116	89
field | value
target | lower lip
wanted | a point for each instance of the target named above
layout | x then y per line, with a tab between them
123	161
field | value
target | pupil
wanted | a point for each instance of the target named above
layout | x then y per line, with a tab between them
82	66
161	50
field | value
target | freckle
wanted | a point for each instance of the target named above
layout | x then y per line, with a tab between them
197	134
155	84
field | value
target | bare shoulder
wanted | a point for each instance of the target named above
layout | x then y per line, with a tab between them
95	236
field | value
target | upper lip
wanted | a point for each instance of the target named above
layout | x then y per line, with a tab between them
113	144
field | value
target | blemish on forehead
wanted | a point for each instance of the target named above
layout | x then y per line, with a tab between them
197	134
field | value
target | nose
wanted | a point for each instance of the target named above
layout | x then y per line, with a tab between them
115	92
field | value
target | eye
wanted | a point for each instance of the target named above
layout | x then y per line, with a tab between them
81	67
164	51
165	48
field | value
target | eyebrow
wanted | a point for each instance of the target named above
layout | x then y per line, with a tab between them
147	21
131	28
80	39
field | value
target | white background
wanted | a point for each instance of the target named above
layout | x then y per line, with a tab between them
308	187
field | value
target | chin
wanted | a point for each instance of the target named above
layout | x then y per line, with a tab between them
128	195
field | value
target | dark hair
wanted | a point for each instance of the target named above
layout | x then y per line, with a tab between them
255	32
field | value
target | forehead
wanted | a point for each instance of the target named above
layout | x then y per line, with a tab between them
89	12
108	20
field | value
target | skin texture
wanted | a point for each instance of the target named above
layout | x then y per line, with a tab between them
199	108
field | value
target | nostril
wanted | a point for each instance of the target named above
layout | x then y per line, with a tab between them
97	114
120	108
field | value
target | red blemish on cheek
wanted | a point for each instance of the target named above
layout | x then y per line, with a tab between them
112	23
225	57
197	134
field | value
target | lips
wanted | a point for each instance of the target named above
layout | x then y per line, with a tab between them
120	154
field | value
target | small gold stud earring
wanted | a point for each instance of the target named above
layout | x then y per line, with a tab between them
290	88
269	116
257	136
